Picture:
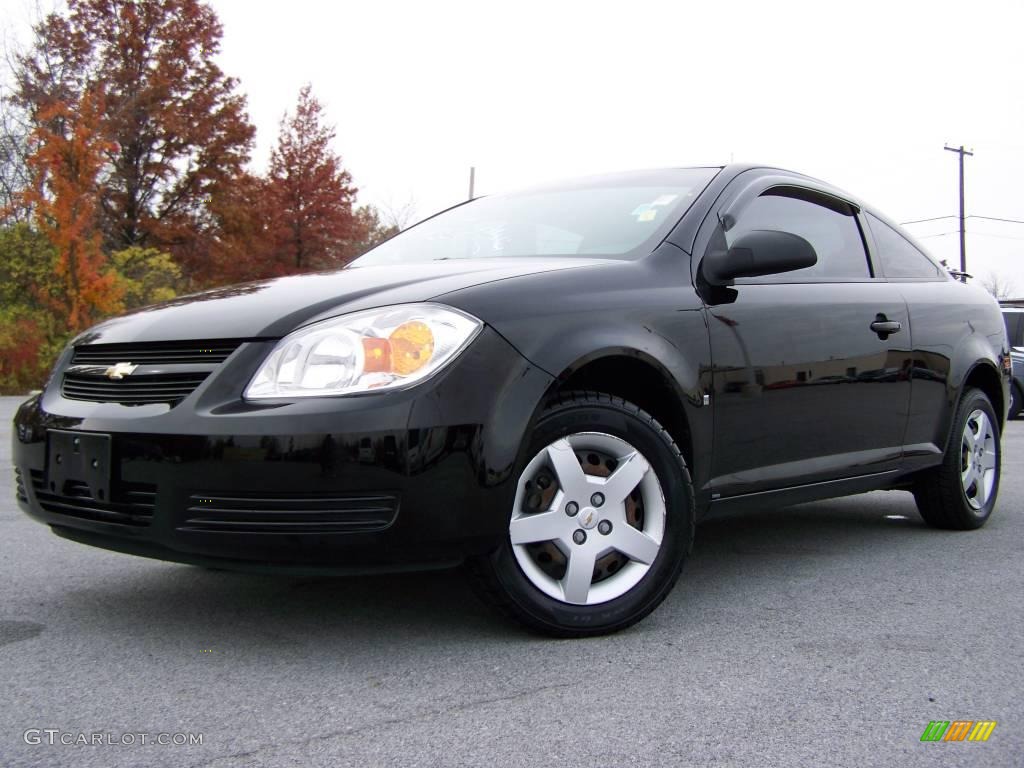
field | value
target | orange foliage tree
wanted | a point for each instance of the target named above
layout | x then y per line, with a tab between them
176	126
65	157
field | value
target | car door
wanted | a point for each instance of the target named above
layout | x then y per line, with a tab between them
944	314
808	384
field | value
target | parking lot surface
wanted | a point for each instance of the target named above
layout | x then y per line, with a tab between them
823	634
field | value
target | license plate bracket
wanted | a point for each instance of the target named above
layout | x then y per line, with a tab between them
83	457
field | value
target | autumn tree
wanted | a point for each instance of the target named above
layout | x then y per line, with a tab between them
176	128
237	233
311	194
28	329
372	227
65	156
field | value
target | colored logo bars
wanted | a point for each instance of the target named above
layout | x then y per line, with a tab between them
958	730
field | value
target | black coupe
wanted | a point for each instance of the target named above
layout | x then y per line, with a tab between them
552	387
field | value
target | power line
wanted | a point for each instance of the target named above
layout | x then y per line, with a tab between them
921	221
971	216
973	232
995	218
1001	237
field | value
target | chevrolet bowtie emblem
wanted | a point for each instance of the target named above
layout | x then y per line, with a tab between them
119	371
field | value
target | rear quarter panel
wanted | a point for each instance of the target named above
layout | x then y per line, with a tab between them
954	328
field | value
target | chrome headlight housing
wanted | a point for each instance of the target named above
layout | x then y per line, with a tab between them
369	351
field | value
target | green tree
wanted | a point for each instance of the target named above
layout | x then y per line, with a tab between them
146	276
30	335
27	265
369	231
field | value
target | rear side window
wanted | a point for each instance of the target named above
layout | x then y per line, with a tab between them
830	226
899	257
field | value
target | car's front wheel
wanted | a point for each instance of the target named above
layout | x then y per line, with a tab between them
961	492
601	523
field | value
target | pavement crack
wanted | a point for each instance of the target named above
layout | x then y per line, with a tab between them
386	723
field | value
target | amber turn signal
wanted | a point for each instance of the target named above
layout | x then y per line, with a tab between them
409	347
412	346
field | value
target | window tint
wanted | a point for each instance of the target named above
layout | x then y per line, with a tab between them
832	230
899	257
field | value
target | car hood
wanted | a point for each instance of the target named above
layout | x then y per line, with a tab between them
273	308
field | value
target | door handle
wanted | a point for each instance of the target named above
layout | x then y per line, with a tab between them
884	327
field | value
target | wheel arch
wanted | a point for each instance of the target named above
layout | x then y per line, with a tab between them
986	377
639	378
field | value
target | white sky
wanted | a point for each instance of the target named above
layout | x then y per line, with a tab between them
863	95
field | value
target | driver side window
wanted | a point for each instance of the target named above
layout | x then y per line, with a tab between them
828	225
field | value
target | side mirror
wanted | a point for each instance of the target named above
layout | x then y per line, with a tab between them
758	252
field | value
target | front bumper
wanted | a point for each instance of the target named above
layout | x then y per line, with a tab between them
389	480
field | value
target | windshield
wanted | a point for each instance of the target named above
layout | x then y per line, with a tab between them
622	217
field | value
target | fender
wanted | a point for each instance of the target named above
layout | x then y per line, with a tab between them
608	310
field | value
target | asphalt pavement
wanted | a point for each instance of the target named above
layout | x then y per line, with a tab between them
823	634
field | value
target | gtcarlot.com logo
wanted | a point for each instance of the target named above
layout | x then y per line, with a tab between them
54	736
958	730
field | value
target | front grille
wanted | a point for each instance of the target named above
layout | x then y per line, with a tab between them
130	504
289	513
156	353
19	486
169	388
159	372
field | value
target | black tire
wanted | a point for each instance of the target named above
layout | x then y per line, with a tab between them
939	492
1016	401
500	581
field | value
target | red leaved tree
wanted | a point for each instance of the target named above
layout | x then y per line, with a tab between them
66	152
237	237
309	192
177	129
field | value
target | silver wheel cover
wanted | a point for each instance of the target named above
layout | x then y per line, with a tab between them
978	459
598	526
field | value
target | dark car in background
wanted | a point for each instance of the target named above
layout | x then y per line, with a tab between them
1013	316
1016	385
551	386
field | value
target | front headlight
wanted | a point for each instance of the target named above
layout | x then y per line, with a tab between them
373	350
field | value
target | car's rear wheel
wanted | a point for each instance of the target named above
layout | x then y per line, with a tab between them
961	492
601	523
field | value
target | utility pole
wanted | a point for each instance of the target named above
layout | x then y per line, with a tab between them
963	233
472	180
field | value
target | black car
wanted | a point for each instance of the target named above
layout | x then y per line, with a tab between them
551	387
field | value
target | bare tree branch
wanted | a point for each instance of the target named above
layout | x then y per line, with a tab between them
1000	287
397	215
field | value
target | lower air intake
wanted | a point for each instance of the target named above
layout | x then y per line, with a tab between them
132	504
289	513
